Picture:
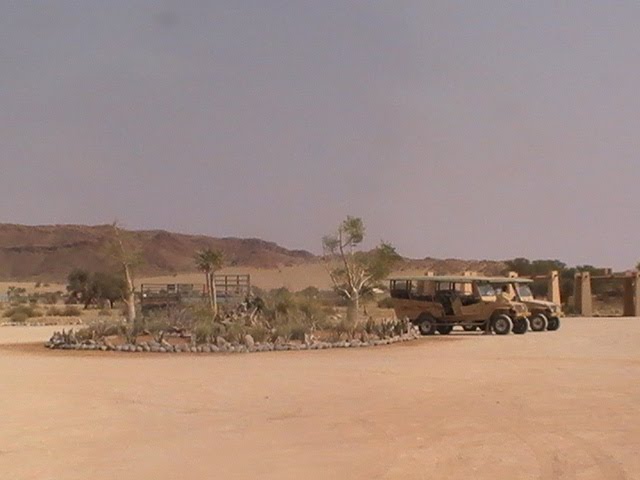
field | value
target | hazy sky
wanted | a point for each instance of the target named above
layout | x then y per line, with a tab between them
455	129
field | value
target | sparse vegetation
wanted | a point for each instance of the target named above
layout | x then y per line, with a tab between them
21	313
276	317
67	311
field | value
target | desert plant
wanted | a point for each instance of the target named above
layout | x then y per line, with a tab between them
23	310
312	312
208	262
353	273
290	330
19	317
203	332
260	333
68	311
71	311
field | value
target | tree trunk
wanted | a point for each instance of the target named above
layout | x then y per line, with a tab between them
131	307
210	291
215	294
353	308
131	295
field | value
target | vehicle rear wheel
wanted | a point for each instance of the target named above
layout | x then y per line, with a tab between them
554	324
426	324
469	328
538	322
445	329
520	325
502	324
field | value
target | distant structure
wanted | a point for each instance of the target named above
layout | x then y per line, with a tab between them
583	299
230	289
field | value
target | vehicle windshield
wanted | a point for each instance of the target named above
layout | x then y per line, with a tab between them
486	290
524	291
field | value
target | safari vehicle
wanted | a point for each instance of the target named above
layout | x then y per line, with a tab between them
543	315
437	304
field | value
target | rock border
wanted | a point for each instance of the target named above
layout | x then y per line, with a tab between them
222	346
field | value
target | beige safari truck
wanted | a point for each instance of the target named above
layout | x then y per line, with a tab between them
437	304
543	315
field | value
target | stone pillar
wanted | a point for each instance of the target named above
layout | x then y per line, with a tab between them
512	293
429	287
582	299
467	288
632	296
553	288
636	293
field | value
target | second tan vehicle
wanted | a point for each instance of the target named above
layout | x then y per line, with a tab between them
544	315
437	304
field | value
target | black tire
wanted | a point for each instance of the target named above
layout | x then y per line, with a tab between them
520	325
554	324
539	322
502	324
445	329
426	324
469	328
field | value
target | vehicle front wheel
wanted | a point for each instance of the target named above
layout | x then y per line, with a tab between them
554	324
520	325
539	323
445	329
502	324
426	324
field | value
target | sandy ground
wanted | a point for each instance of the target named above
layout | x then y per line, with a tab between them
563	405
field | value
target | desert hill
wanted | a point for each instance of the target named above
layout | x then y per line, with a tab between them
51	252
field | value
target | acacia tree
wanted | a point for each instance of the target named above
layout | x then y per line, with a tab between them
85	287
209	261
80	288
354	272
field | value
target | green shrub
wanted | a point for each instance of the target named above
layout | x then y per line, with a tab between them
71	311
260	333
235	332
313	312
19	317
292	330
203	331
68	311
27	311
157	324
206	331
100	330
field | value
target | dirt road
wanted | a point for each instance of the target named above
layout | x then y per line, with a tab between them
563	405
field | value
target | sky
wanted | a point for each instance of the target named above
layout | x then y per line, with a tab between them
484	130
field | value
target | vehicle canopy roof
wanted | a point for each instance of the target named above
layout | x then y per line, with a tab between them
503	280
442	279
